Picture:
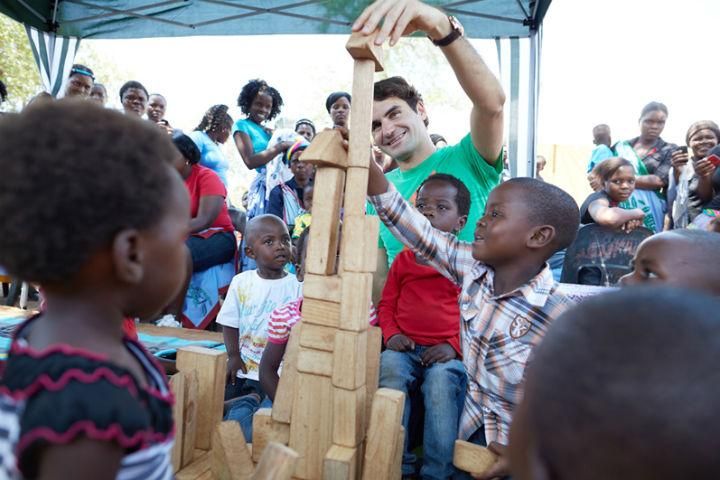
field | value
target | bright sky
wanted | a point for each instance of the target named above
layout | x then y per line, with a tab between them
602	61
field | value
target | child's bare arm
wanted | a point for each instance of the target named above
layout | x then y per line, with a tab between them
377	183
231	337
269	363
613	217
83	458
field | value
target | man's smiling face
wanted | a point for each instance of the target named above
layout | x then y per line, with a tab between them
397	129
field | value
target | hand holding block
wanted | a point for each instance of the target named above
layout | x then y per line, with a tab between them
472	458
230	456
362	47
277	463
326	150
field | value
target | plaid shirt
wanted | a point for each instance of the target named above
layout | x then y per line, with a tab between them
497	333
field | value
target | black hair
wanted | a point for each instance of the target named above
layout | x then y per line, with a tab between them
436	137
549	205
3	92
133	84
653	107
78	69
400	88
252	89
157	95
334	97
254	223
610	166
66	191
305	121
187	148
639	379
215	118
462	199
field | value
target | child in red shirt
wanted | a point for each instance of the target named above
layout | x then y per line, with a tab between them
420	320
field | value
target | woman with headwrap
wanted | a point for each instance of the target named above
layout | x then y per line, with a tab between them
690	186
286	199
338	106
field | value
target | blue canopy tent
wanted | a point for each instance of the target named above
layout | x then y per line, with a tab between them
55	28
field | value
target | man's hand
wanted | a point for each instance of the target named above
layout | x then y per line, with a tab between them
402	17
501	467
400	343
234	364
440	353
704	168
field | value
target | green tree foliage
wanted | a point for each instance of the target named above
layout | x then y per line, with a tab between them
17	65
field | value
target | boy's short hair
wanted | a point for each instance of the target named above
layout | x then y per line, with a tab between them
625	385
400	88
550	205
254	223
462	199
74	174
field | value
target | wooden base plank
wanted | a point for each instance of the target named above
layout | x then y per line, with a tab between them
383	434
311	426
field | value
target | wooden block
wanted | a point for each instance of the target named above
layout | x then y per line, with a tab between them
349	371
356	182
340	463
177	385
190	417
472	458
266	430
315	362
319	287
285	393
383	433
372	364
349	416
362	47
360	243
399	449
355	304
326	150
197	469
311	426
320	312
323	244
278	462
230	457
318	337
210	366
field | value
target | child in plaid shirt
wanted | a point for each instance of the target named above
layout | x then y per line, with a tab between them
508	295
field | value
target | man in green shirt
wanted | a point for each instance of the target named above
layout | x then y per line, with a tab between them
399	125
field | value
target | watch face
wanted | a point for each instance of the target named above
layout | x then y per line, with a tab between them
456	25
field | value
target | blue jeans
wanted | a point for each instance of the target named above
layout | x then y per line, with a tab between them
443	391
242	410
208	252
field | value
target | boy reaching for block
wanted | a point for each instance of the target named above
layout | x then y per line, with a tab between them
420	321
252	296
625	385
508	295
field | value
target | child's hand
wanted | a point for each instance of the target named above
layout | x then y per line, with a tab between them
631	225
440	353
400	343
501	467
234	364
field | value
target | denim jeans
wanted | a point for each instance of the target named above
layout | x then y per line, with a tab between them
242	410
211	251
442	386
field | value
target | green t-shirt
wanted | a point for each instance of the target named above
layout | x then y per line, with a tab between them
461	161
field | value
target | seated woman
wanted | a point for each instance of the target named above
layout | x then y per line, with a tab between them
691	176
286	201
604	206
213	131
211	241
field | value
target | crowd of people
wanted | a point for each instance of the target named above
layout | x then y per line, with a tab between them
112	214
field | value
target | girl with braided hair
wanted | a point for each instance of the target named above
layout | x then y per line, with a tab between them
213	130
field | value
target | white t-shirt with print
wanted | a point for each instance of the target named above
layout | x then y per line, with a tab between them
250	301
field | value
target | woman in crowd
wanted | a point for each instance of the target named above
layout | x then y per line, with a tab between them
650	157
134	98
213	131
609	206
212	239
338	106
80	81
286	200
691	177
305	128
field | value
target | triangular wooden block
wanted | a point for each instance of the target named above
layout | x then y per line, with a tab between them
362	47
326	150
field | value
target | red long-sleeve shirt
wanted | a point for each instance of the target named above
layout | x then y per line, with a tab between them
419	303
